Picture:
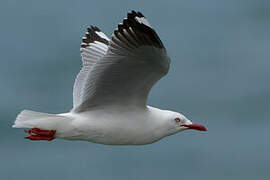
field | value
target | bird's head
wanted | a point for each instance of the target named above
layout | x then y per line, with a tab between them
178	122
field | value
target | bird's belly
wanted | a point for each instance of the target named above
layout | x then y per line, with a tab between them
123	137
113	134
126	138
114	128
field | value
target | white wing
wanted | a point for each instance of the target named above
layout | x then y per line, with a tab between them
94	46
136	59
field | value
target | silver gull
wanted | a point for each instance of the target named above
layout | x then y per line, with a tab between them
110	91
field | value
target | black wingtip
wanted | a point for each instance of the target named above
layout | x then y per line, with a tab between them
95	28
141	27
136	13
91	36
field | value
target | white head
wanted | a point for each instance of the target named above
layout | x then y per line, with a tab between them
176	122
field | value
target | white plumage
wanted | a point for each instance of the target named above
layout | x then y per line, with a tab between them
111	89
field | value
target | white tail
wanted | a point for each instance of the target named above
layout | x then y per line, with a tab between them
30	119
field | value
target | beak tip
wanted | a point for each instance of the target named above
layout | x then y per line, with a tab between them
196	126
204	129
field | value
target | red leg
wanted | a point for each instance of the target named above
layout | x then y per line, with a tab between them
43	132
29	131
37	137
40	134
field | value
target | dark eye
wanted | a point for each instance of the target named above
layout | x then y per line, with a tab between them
177	120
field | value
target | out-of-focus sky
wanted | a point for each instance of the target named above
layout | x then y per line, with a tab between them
219	77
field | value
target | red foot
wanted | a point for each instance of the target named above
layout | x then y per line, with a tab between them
40	134
38	138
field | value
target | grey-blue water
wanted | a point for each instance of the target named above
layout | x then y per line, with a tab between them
219	77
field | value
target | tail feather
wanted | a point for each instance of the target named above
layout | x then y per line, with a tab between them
30	119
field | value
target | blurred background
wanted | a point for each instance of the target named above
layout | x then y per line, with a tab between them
219	77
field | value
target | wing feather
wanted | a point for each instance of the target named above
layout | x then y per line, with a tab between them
94	46
135	60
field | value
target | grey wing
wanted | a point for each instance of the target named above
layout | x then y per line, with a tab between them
136	59
94	46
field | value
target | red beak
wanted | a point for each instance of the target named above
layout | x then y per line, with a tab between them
196	126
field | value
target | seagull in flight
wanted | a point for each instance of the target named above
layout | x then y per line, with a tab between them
110	92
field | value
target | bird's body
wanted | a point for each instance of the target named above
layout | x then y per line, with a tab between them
133	126
110	92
